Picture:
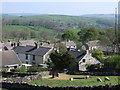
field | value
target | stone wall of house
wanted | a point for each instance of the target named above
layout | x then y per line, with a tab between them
87	59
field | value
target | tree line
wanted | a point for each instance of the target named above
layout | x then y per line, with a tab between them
108	37
25	34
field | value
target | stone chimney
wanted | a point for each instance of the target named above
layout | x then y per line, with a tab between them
9	42
18	44
37	45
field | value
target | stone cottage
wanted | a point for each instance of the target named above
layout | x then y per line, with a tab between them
97	44
70	44
83	58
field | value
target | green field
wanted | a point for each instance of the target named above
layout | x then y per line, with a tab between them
17	27
13	27
92	81
101	23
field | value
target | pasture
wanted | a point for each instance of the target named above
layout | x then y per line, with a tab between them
63	80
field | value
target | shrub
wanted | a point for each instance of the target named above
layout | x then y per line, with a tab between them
92	67
98	54
113	62
21	69
37	69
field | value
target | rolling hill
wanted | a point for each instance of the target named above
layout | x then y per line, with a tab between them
55	24
100	15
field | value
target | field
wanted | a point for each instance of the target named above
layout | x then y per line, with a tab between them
17	27
63	80
99	22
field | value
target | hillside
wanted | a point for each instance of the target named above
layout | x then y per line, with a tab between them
61	21
100	15
55	24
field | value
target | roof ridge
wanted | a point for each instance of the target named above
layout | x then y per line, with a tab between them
32	49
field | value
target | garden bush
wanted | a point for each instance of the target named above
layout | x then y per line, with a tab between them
20	69
92	67
113	62
37	69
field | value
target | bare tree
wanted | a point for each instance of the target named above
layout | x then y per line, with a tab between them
24	34
45	35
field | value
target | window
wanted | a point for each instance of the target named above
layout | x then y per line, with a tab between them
33	63
84	60
26	56
33	57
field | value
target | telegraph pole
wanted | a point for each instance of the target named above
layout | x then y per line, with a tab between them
118	28
116	32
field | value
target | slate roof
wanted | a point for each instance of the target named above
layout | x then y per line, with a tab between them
3	47
41	51
69	43
98	45
106	48
32	50
27	42
93	43
77	54
9	58
7	43
23	49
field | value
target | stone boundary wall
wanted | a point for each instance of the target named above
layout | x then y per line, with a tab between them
37	76
22	86
21	79
44	73
5	74
96	73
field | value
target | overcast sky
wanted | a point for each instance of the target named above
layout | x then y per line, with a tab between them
63	8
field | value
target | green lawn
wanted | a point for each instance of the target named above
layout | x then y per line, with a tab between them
77	82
